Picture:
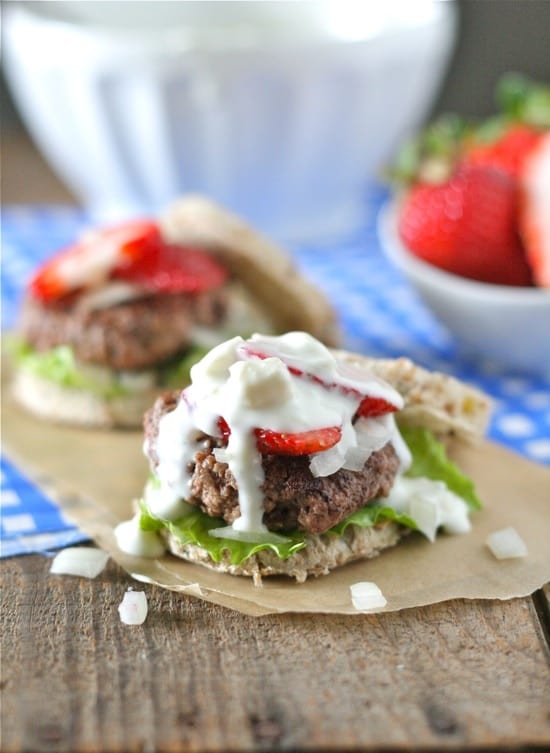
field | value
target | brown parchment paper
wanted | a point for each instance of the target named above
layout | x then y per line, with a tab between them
94	475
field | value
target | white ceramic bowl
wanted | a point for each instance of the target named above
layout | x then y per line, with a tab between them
281	111
499	324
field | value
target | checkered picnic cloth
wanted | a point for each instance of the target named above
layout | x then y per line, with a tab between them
380	314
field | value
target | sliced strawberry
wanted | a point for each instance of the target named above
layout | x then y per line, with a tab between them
345	382
534	216
371	407
167	268
223	428
467	226
303	443
271	442
91	260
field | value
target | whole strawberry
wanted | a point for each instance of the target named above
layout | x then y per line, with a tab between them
509	151
467	225
468	207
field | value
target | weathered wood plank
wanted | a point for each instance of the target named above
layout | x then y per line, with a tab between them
197	677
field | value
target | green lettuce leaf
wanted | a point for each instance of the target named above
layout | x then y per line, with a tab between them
177	372
429	459
370	516
194	528
59	365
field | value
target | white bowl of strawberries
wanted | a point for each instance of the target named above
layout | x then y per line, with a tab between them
471	229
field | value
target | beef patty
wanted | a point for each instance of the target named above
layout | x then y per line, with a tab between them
132	335
293	497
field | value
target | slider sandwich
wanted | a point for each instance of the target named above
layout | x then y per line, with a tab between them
283	457
122	314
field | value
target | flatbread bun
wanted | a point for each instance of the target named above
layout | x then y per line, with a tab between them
321	555
293	302
66	405
448	407
439	402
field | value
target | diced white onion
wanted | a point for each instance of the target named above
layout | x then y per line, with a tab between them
454	514
133	608
356	457
506	544
430	504
374	433
327	462
250	537
366	596
109	294
425	513
371	435
84	561
221	454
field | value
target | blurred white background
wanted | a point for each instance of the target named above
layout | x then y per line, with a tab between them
299	108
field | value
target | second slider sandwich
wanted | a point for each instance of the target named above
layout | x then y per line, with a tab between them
283	457
124	312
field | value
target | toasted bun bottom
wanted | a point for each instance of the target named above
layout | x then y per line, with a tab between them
322	554
66	405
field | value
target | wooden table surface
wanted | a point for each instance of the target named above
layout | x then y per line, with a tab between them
196	677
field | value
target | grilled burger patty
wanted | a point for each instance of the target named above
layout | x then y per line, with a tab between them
135	334
293	497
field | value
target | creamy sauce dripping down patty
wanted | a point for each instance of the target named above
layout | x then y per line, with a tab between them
287	384
293	384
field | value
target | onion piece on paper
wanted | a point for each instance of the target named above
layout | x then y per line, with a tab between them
366	596
506	544
133	608
84	561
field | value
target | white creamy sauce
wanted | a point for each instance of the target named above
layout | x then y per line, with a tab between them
287	384
252	392
164	503
133	540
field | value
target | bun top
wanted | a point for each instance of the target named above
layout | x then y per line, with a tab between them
293	302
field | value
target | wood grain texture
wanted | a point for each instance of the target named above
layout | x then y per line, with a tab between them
197	677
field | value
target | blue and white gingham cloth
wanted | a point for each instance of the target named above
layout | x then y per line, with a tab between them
30	522
380	315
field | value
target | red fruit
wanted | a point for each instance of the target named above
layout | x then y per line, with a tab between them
223	428
304	443
91	260
534	217
508	152
166	268
271	442
369	407
467	226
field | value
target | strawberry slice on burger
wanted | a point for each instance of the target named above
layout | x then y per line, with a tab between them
323	370
92	260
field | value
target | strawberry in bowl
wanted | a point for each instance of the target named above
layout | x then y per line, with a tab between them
469	226
124	311
469	191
